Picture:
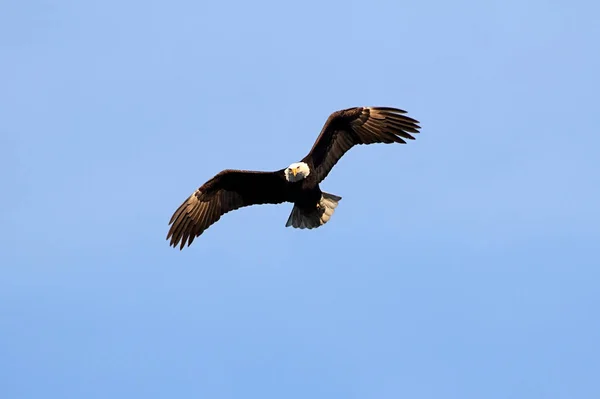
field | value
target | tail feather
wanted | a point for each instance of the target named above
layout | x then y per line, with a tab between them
302	219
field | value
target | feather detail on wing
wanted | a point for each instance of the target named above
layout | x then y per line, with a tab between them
225	192
361	125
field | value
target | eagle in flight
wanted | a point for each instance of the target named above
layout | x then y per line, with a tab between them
298	183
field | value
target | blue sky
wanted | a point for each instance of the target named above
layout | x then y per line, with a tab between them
462	265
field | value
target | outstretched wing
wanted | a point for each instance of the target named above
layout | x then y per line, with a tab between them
226	191
360	125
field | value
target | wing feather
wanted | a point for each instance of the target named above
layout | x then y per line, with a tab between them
227	191
361	125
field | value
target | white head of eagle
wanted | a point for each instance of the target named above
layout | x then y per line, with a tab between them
296	172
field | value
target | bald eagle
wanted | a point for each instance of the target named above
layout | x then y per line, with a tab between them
298	183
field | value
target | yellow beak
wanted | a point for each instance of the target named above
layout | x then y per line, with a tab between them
294	171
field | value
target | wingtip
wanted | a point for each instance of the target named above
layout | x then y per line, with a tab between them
388	109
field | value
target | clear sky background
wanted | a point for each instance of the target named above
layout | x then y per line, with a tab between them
464	264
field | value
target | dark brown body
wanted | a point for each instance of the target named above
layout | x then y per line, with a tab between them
306	193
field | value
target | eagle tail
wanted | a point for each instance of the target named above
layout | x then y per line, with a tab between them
303	219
